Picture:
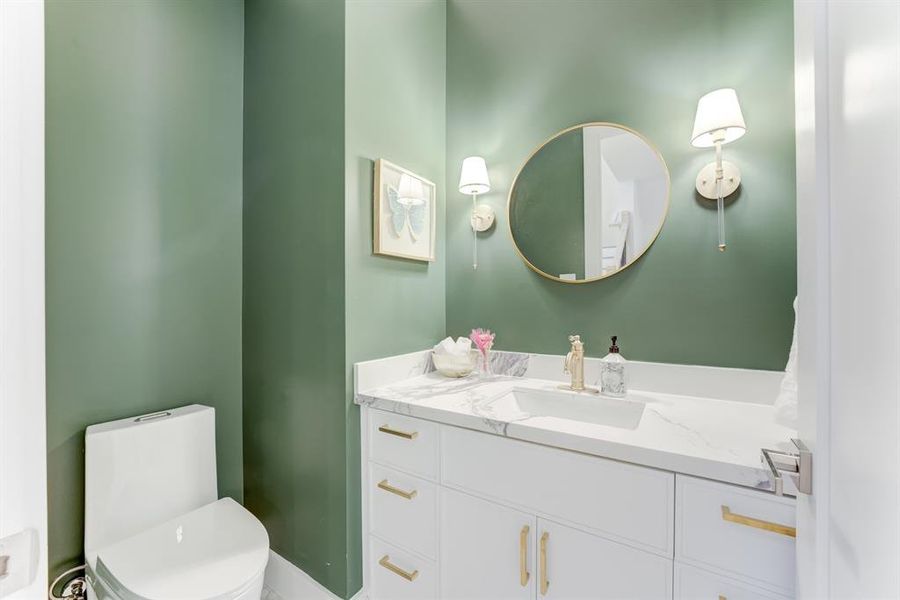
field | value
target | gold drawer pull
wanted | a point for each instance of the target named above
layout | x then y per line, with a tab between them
387	564
524	575
402	434
383	484
757	523
545	583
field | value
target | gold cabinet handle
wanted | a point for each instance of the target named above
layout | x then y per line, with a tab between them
383	484
524	575
401	434
731	517
387	564
545	583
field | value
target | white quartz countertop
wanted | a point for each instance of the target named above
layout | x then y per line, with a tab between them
710	438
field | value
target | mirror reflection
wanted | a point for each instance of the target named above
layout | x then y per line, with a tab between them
588	202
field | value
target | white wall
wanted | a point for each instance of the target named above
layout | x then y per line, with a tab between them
650	196
23	451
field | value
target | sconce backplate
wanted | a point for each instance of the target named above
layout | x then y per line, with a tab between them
706	180
482	218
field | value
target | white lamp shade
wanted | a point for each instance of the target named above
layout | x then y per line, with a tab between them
410	191
473	179
718	118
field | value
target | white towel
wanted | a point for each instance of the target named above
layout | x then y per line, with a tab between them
447	346
786	402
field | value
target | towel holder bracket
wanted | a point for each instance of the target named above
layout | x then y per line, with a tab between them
798	466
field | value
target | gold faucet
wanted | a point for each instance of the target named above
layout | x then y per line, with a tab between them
575	367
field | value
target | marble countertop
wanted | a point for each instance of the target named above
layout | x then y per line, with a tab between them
710	438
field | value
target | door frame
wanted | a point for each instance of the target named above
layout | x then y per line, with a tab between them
23	446
813	267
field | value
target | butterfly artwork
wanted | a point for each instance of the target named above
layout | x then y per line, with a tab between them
404	214
407	213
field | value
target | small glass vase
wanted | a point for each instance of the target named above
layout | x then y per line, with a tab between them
484	363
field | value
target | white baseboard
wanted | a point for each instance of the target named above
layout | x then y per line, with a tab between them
292	583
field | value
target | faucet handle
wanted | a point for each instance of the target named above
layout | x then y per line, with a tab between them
575	338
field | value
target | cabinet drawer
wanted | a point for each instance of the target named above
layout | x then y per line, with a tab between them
581	565
692	583
738	532
404	510
403	442
398	574
621	501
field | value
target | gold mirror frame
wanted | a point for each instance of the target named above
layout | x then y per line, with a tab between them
640	254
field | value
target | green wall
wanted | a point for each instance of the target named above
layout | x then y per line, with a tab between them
518	72
143	229
395	109
550	194
295	412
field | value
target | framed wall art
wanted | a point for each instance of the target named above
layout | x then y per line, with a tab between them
404	213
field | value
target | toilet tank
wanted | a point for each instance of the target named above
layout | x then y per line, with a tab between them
145	470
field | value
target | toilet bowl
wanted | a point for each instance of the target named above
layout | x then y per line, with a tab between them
218	551
154	529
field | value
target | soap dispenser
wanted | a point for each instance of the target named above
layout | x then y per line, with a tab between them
612	372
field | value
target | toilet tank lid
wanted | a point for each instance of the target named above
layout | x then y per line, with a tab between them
207	553
139	420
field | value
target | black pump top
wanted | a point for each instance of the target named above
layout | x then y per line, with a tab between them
614	349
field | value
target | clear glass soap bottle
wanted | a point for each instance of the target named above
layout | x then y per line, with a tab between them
612	372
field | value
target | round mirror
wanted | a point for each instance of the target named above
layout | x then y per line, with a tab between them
588	202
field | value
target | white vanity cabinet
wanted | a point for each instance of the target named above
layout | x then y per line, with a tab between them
492	551
619	501
577	564
487	550
457	514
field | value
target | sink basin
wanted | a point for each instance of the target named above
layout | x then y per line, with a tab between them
573	406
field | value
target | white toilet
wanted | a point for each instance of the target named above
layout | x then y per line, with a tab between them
153	527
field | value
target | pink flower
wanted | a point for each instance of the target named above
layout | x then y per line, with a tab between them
483	339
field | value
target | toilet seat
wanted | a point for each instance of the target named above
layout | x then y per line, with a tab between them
215	552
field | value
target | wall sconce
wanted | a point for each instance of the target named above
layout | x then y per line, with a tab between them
473	180
718	121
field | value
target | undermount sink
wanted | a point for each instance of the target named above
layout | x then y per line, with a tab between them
574	406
